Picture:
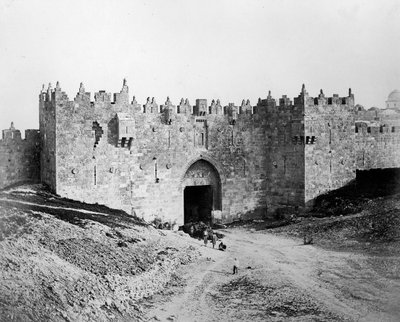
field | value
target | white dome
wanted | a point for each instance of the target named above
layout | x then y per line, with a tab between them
393	100
394	96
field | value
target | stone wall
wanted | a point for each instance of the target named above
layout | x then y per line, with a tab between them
135	157
47	126
266	158
329	144
377	146
19	159
284	164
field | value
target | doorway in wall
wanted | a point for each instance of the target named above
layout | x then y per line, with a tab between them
198	204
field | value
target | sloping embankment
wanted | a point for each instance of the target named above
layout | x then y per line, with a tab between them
67	261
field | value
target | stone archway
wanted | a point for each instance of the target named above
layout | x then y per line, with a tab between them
201	192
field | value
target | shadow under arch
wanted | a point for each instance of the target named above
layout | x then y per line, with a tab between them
201	184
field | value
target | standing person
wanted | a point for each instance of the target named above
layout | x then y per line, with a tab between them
236	266
214	239
205	234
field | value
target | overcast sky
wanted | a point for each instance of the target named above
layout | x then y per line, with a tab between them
231	50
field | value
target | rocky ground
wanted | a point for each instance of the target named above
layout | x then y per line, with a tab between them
66	261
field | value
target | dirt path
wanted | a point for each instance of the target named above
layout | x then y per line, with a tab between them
280	280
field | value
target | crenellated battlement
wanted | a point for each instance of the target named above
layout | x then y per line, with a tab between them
367	128
13	136
104	106
19	158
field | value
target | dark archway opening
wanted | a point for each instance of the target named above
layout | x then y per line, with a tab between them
198	204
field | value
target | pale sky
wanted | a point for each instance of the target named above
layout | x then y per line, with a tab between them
231	50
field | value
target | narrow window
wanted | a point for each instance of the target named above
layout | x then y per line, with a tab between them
95	175
284	165
155	170
369	129
202	138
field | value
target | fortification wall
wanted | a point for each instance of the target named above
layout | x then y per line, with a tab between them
47	126
285	160
329	144
271	156
19	158
134	157
377	146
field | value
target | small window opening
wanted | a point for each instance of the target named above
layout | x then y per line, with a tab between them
393	129
369	129
123	140
155	170
330	101
284	165
98	132
356	129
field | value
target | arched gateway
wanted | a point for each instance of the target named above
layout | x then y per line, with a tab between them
201	192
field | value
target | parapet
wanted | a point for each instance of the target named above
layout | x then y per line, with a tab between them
104	105
364	127
335	100
11	134
14	135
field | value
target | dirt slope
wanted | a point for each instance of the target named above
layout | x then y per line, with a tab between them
67	261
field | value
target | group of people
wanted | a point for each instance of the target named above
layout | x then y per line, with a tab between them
210	234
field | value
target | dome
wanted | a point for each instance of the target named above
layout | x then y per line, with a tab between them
393	100
394	96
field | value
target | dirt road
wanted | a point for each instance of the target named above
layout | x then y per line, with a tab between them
279	280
